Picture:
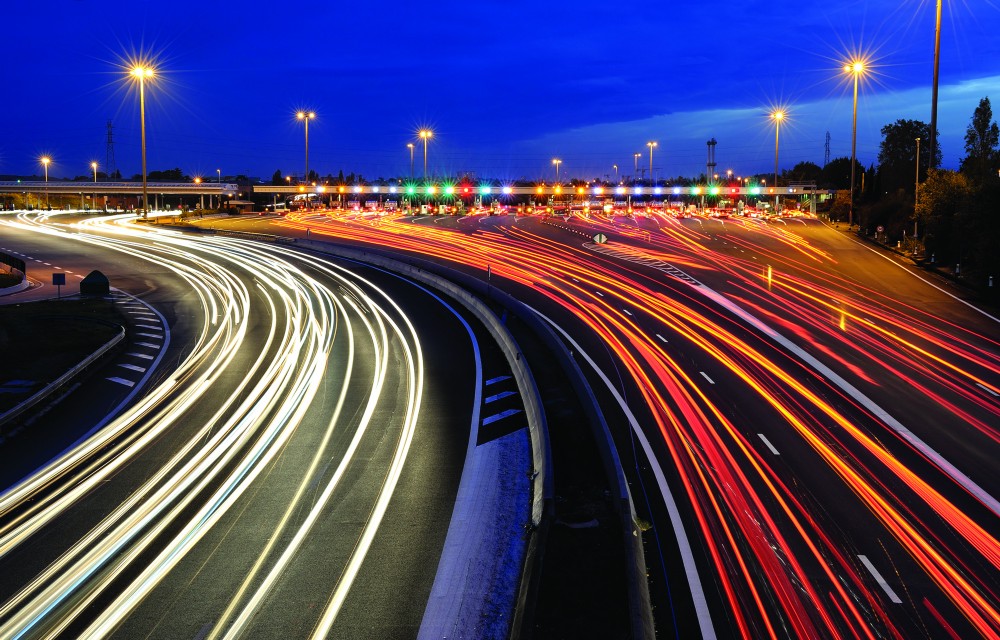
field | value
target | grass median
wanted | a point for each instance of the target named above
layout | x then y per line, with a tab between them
40	341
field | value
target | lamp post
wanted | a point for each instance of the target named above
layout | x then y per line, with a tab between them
635	172
856	68
45	163
615	167
306	116
651	145
916	197
141	73
93	166
934	87
425	135
409	146
557	162
777	116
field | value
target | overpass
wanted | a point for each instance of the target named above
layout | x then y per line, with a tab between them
63	187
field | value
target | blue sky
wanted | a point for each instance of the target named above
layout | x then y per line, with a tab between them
505	85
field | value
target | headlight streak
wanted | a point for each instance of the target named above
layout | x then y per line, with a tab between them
708	448
252	435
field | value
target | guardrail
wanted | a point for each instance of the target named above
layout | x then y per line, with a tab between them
57	384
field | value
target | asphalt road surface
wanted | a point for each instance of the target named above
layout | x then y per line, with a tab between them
289	469
810	427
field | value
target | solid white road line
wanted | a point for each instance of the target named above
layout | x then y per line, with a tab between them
880	580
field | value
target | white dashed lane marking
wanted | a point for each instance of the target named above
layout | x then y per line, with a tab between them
132	367
879	579
768	443
122	381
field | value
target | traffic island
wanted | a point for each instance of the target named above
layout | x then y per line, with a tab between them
44	345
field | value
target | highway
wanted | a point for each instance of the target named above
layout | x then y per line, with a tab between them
810	429
303	435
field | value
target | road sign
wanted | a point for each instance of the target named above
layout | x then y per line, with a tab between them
58	280
600	238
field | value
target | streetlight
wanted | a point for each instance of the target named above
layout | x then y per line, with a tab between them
934	87
141	73
777	116
635	172
557	162
409	146
93	165
916	197
856	68
218	197
45	163
306	116
615	167
425	135
651	145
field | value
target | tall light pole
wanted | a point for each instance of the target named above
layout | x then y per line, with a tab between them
409	146
425	135
141	73
856	68
45	163
93	166
218	197
916	197
557	162
615	167
635	172
934	88
306	116
777	116
651	146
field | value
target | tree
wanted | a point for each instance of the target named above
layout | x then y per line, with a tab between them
804	172
898	153
837	174
277	179
944	199
982	140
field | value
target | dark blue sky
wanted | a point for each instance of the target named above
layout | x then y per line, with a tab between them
505	85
